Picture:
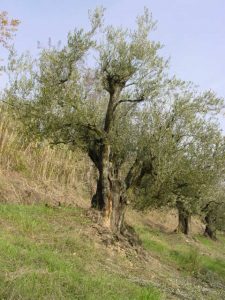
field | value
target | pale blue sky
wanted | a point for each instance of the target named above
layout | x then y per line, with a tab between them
193	31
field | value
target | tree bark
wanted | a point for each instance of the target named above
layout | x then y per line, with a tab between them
97	199
210	228
184	219
110	196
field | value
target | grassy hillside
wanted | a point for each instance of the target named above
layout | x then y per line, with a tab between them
48	253
58	253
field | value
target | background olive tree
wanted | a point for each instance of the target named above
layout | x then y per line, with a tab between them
186	149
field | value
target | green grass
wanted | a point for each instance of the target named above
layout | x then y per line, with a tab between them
171	249
45	254
205	241
214	265
51	253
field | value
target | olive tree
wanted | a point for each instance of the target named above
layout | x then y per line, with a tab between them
186	149
213	210
97	108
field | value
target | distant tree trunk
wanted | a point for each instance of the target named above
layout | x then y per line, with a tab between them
210	228
184	219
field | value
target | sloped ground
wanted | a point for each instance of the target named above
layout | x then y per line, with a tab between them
194	268
59	253
16	187
52	253
56	252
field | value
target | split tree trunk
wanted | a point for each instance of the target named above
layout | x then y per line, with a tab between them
110	196
184	219
110	199
210	228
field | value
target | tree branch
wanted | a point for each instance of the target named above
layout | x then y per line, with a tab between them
129	101
210	202
138	170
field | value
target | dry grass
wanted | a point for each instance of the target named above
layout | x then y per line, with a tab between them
39	162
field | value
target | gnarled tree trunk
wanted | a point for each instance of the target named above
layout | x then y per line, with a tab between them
110	196
184	219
